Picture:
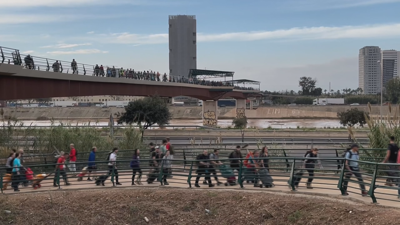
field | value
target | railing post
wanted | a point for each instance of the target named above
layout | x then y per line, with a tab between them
160	175
240	178
58	177
61	67
48	65
341	178
84	70
371	191
291	178
287	161
1	182
338	162
190	175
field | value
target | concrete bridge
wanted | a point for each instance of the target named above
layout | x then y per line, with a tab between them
19	82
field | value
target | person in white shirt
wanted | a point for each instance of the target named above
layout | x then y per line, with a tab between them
112	164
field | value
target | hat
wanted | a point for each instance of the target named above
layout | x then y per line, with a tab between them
157	147
354	146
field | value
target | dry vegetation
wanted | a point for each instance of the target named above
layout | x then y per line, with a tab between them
173	206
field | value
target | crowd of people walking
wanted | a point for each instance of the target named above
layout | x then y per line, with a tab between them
254	167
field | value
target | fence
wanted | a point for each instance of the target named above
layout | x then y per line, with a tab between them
285	172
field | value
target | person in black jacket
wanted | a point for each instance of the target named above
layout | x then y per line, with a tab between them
203	168
391	157
235	156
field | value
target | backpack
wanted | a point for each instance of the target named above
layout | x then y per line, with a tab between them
108	156
12	163
343	155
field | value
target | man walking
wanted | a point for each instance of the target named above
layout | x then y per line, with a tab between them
203	168
214	157
91	162
72	158
74	67
391	157
61	170
352	167
236	155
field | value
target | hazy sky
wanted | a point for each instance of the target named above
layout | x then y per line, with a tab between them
275	42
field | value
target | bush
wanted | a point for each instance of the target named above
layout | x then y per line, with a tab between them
362	99
352	117
240	123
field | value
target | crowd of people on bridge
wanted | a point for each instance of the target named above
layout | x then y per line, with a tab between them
255	167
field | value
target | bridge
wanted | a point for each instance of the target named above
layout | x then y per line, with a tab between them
33	78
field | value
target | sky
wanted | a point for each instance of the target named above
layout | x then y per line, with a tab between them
274	42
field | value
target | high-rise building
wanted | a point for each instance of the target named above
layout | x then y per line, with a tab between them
370	72
182	45
390	65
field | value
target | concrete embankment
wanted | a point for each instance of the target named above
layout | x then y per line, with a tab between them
187	112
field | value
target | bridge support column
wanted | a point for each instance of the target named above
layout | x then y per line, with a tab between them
210	113
240	108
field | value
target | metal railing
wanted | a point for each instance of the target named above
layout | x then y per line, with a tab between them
13	56
372	177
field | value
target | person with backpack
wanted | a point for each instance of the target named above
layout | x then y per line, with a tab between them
391	157
214	157
135	166
203	168
91	162
352	167
155	161
311	158
236	155
72	158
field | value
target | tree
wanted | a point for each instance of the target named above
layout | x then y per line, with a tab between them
145	113
240	123
307	85
352	117
317	92
393	90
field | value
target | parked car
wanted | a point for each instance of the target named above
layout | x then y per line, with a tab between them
355	104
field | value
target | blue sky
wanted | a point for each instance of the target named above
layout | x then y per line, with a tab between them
275	42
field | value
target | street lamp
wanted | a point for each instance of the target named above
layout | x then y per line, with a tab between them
381	70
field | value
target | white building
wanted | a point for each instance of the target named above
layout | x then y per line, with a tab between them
370	69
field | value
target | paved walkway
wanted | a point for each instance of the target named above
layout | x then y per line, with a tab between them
323	186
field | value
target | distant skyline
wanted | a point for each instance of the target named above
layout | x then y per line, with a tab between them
275	42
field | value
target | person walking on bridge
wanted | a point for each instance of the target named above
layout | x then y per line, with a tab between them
60	170
112	165
56	66
352	157
135	166
92	164
74	67
235	157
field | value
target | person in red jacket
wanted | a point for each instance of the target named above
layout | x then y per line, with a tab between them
72	158
60	170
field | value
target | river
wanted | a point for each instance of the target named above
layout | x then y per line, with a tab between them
258	123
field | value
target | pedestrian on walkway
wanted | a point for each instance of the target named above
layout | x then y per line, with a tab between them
214	157
235	157
112	164
264	155
60	170
391	157
203	168
167	166
309	164
155	161
9	163
91	162
72	158
74	67
352	167
135	166
16	172
164	146
56	66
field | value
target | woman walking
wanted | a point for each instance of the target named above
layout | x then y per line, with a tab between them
9	163
135	165
16	171
264	155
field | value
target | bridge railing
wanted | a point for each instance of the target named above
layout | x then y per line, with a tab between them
13	56
158	171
